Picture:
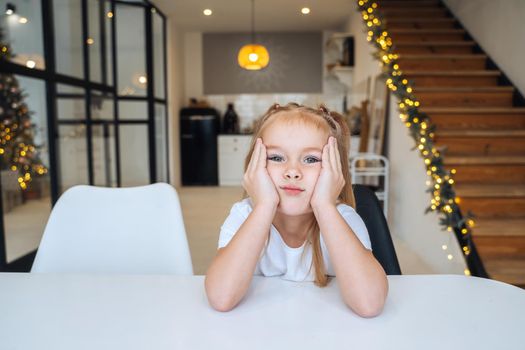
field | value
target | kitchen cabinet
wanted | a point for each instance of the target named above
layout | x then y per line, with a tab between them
232	152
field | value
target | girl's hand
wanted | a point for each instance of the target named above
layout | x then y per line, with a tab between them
331	180
257	182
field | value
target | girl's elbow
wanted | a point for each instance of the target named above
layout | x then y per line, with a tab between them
369	306
219	300
369	310
221	304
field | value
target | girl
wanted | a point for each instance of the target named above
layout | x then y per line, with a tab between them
298	215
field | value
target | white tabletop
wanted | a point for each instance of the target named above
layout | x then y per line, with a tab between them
41	311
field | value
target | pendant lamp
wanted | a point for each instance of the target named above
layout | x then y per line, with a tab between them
253	56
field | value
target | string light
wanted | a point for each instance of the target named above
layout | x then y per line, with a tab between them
441	182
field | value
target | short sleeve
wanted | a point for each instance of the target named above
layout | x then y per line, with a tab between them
356	224
238	214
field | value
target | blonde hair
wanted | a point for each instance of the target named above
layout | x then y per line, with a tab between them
336	126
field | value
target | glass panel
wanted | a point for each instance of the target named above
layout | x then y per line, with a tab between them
158	55
94	41
104	155
134	157
68	37
108	19
71	103
25	212
69	89
133	110
101	106
161	133
22	32
132	80
72	150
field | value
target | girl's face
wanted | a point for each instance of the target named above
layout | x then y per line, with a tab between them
294	152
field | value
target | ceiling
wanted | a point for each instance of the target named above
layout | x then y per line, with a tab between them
270	15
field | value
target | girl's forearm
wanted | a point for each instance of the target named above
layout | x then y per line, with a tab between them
361	278
231	271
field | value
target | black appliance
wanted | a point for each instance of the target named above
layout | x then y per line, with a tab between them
198	146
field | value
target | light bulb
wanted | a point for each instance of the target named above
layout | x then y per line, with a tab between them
305	10
207	12
253	57
30	64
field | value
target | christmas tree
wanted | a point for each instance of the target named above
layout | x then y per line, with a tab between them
17	149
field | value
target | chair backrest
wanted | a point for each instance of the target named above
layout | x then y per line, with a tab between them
135	230
369	208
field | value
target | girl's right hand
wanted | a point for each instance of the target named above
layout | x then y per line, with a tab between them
257	182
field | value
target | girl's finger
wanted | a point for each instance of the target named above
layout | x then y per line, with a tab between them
338	157
255	156
261	163
333	158
325	157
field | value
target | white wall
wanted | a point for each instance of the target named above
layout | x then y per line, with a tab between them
193	66
176	79
366	66
498	27
409	199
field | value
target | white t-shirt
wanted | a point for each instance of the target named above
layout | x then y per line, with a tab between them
278	259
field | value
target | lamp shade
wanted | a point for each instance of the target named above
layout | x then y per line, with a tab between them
253	57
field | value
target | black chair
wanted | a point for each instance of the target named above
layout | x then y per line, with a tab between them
370	210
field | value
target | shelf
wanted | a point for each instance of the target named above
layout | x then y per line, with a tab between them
340	35
344	74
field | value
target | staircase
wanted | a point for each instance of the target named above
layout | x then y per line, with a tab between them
480	119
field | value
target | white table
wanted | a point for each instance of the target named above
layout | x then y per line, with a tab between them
40	311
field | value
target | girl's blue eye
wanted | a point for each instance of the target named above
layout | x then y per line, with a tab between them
275	158
311	160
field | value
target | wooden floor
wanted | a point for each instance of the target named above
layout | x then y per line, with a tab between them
480	120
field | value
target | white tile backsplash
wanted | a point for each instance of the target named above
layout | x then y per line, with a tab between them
249	107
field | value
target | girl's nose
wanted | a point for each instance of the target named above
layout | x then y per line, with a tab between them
292	174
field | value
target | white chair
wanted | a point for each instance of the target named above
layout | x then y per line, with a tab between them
135	230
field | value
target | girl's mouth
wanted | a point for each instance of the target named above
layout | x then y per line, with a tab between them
292	190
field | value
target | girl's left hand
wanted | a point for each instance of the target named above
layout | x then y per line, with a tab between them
331	180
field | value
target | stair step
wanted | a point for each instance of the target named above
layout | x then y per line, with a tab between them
465	96
499	227
503	255
423	23
473	110
476	118
492	201
482	133
514	160
485	191
510	271
442	62
427	35
434	47
408	3
482	142
496	247
487	169
453	73
453	78
414	12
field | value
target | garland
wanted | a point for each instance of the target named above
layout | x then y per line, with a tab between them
441	185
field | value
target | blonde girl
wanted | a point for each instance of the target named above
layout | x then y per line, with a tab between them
298	221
